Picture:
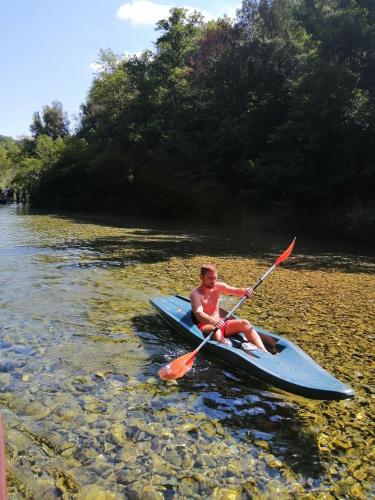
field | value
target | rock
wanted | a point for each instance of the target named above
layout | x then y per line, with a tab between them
8	365
187	461
90	453
151	493
360	474
37	409
273	462
206	460
127	476
233	470
227	494
263	444
95	493
67	448
118	434
173	458
23	349
340	443
102	374
5	379
357	491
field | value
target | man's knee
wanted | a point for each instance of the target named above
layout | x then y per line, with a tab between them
245	325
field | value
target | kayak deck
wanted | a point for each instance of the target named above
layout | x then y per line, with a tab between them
290	369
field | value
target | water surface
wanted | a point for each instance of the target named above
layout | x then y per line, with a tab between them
85	415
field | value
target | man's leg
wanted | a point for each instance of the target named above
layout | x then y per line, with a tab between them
218	336
235	326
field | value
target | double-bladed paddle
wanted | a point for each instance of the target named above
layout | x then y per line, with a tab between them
183	364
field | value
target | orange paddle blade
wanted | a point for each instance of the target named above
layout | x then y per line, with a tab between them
286	254
178	367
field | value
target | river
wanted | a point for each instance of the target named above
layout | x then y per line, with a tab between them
85	415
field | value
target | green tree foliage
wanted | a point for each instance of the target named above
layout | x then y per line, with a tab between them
53	122
274	110
32	169
10	154
64	163
5	163
330	117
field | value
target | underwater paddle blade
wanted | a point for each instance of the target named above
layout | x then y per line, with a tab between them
178	367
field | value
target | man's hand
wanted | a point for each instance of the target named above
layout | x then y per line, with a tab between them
219	323
249	292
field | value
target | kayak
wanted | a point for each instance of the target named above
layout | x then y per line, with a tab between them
289	369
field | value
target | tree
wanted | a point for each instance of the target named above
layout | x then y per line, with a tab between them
274	110
11	153
53	122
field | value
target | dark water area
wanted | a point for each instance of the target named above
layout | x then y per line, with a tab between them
85	415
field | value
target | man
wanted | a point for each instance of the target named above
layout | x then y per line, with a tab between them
205	306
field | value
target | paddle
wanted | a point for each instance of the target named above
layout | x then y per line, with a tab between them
183	364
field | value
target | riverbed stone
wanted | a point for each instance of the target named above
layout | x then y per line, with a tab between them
5	379
118	434
127	476
8	365
173	457
227	494
94	492
206	460
37	409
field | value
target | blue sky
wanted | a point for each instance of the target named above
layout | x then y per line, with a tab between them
48	48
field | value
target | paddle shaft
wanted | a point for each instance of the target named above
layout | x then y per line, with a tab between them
239	304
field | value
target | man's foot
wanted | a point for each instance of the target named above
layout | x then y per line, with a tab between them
248	346
226	342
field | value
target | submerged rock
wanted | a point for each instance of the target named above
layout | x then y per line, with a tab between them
94	492
8	365
118	434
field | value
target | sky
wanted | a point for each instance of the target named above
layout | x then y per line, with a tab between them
49	48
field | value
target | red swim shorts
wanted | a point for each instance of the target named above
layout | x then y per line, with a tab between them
222	329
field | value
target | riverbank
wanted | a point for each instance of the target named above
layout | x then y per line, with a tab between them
340	226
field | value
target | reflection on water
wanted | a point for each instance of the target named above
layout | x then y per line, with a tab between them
86	417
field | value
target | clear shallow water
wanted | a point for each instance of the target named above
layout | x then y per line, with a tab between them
84	414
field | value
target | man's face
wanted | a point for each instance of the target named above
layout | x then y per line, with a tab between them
209	279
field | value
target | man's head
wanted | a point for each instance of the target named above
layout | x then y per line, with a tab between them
208	275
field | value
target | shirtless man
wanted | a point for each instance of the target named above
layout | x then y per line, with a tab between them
205	306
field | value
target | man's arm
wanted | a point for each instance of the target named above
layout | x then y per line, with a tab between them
231	290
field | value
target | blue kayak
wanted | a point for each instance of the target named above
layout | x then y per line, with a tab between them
290	369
